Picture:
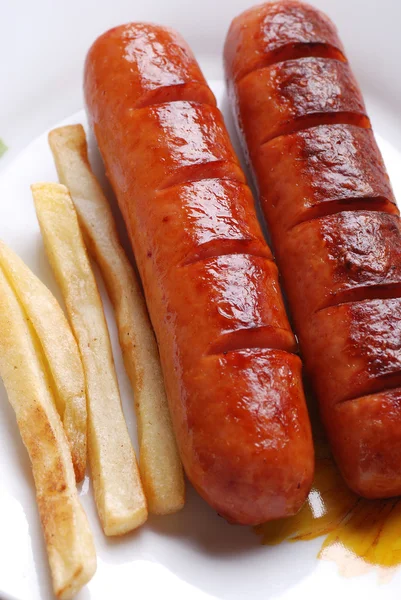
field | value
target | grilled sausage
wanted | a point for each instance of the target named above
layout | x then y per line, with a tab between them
232	378
334	224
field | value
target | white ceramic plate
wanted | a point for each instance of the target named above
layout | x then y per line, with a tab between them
194	554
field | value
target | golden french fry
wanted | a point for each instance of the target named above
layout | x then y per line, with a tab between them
68	538
60	350
118	490
160	465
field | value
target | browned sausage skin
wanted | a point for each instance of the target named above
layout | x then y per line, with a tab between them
232	378
334	224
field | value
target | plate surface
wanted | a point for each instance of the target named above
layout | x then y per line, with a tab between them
194	554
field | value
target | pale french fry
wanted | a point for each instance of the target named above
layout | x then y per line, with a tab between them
118	490
66	530
160	465
60	350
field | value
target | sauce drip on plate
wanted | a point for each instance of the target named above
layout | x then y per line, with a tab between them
360	534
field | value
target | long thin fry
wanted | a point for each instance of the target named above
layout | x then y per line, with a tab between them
160	465
118	490
60	349
68	538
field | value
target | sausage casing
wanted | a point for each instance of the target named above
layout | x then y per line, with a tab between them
334	225
232	378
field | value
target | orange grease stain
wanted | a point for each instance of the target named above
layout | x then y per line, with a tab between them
360	534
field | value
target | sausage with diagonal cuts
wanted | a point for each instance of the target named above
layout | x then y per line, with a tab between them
232	377
334	224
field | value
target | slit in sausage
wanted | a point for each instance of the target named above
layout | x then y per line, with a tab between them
190	92
265	337
294	51
326	209
313	120
369	292
385	389
216	169
223	247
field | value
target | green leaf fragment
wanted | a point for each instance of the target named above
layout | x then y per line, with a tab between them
3	148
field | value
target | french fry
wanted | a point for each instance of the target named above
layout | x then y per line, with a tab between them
118	490
60	350
66	530
160	465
